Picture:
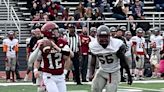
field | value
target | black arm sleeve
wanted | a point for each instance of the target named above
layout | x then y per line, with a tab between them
121	55
67	53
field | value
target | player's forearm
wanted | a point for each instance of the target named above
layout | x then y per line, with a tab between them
68	63
92	65
145	51
134	50
36	65
124	64
91	71
122	57
33	56
71	54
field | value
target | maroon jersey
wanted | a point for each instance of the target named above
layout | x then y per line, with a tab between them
84	48
54	62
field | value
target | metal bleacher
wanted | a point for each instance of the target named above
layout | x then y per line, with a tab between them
24	15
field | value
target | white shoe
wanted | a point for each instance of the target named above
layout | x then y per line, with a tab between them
8	80
135	78
141	78
26	78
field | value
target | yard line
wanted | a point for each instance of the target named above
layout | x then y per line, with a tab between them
89	83
149	81
146	89
78	91
126	90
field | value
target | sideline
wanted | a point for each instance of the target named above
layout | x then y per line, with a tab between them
146	89
89	83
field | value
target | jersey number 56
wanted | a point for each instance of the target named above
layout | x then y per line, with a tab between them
105	58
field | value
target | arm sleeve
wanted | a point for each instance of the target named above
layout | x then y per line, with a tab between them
4	46
34	56
65	50
121	55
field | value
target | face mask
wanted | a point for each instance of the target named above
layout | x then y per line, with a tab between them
10	38
48	3
85	33
44	6
55	39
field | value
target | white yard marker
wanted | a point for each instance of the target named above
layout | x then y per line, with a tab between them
146	89
78	91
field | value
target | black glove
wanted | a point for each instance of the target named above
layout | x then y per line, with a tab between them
137	58
130	81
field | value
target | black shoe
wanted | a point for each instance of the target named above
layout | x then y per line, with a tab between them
19	78
123	80
79	84
66	79
84	81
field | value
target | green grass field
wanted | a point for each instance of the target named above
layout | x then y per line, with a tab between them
144	87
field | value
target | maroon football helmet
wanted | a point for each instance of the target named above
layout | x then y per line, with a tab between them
49	29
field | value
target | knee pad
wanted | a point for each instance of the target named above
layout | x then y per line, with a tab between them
41	89
30	68
12	68
7	69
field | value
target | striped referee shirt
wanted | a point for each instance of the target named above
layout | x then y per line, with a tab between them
73	42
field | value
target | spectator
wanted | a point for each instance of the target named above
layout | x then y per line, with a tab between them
104	6
79	15
84	49
137	10
65	14
133	25
97	16
113	31
118	11
127	5
29	3
45	17
144	25
142	2
44	8
53	11
92	33
34	9
88	3
88	14
159	4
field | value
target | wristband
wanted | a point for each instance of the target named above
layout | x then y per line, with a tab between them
65	71
35	70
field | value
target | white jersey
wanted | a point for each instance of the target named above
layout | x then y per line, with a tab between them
140	44
157	40
10	47
129	46
109	62
28	40
92	38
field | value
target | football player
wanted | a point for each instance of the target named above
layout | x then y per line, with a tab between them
10	48
156	45
36	35
54	62
128	54
139	51
110	52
